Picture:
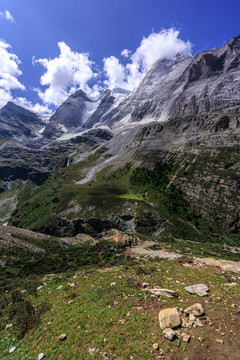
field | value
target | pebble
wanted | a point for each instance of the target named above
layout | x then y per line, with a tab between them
113	284
8	326
70	302
155	346
186	338
220	341
71	284
39	288
62	337
12	349
41	356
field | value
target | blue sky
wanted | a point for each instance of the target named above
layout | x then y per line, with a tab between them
50	48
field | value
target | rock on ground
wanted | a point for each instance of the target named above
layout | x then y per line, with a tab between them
163	292
169	334
169	318
198	289
196	310
41	356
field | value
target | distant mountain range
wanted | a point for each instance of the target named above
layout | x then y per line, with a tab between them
185	113
177	87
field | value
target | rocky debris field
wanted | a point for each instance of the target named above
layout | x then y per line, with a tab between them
156	308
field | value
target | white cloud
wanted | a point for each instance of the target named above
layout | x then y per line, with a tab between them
115	71
35	107
156	46
126	53
64	75
9	72
7	15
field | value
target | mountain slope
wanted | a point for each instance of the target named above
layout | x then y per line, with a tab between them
185	86
20	123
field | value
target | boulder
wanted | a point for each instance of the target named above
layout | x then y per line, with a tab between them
196	310
169	318
197	289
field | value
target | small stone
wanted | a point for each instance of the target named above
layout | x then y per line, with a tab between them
62	337
169	318
71	284
186	338
196	310
198	323
220	341
155	346
70	302
8	326
41	356
185	323
169	334
192	317
161	351
39	288
145	285
12	349
233	305
113	284
231	284
91	351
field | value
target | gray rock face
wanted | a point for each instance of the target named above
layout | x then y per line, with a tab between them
70	114
185	86
19	123
105	103
80	112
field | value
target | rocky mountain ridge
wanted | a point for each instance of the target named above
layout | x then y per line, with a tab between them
198	140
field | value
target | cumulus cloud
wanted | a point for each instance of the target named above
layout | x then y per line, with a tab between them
114	71
64	75
7	15
9	73
156	46
34	107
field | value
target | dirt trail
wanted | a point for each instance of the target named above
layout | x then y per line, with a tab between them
142	250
